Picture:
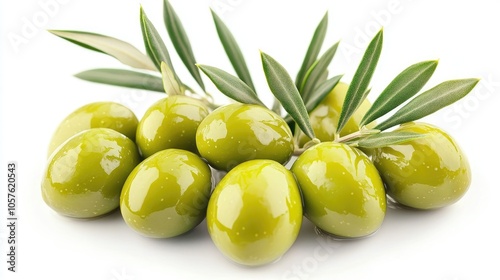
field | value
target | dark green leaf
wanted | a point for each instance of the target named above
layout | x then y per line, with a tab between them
181	41
388	138
123	51
316	72
358	89
283	88
403	87
430	101
321	92
233	51
230	85
313	50
124	78
155	47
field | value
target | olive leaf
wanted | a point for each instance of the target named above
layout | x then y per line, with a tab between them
155	47
321	91
388	138
233	51
316	72
313	50
357	91
403	87
124	78
430	101
181	42
283	88
170	85
231	86
122	51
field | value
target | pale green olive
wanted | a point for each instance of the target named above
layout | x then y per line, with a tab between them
94	115
342	190
236	133
170	123
84	177
255	212
167	194
426	173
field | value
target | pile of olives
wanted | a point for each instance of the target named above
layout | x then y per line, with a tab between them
160	172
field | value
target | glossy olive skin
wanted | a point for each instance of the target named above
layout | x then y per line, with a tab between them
236	133
325	117
342	190
84	177
170	123
255	212
167	194
95	115
425	173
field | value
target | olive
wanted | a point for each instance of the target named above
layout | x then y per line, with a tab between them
342	190
167	194
95	115
426	173
255	213
85	175
236	133
170	123
325	117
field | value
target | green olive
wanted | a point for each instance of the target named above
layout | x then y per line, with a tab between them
170	123
426	173
342	190
325	117
95	115
255	212
236	133
85	176
167	194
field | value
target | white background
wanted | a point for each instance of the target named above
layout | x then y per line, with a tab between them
38	90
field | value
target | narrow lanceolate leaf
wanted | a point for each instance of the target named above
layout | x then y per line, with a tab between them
321	92
181	42
313	50
155	47
283	88
231	86
388	138
403	87
430	101
233	51
170	84
124	78
357	91
123	51
316	72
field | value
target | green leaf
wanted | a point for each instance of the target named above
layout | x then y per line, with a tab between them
230	85
283	88
124	78
170	85
403	87
181	42
357	91
384	139
123	51
430	101
233	51
321	92
155	47
313	50
316	72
